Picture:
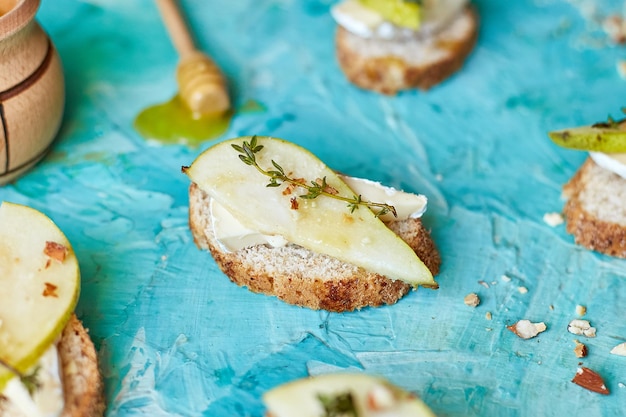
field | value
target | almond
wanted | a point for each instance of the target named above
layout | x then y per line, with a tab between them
590	380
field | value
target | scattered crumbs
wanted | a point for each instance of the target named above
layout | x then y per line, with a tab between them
525	329
581	310
488	315
471	300
580	350
488	329
50	290
621	68
581	327
56	251
164	258
522	290
553	219
483	283
619	350
551	307
621	385
439	177
505	278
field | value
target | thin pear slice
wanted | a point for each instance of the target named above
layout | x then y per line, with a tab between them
600	137
39	277
323	225
324	394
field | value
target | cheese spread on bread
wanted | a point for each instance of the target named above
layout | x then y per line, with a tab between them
368	23
614	162
47	399
233	236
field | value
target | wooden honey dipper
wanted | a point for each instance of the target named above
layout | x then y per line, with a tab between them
201	83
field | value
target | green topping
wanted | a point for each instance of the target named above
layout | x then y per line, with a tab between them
316	187
30	381
404	13
339	405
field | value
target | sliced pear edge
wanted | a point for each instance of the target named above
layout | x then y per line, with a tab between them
26	363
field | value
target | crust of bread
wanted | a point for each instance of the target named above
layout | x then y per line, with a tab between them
391	66
591	229
82	383
304	278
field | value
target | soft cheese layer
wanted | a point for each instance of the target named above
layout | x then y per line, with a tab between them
47	400
234	236
614	162
367	23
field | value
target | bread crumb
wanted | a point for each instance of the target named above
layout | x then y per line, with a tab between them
483	283
522	290
553	219
581	327
619	350
621	385
488	315
580	350
527	330
472	300
581	310
505	278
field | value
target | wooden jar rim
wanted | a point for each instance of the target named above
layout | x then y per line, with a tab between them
19	16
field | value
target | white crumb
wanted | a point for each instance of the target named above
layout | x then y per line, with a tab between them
619	350
553	219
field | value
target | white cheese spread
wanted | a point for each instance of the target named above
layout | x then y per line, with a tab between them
233	236
367	23
47	400
614	162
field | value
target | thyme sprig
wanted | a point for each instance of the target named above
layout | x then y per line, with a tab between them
277	176
340	405
30	381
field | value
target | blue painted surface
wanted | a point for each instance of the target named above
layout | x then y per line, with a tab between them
175	337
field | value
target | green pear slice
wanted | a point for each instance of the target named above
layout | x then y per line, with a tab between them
323	225
39	277
600	137
331	393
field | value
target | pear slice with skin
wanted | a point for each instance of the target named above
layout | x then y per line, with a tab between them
40	282
599	137
332	394
323	224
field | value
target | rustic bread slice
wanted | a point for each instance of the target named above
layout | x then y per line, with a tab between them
595	211
301	277
388	66
82	383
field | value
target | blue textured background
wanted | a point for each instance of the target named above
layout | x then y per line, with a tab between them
175	337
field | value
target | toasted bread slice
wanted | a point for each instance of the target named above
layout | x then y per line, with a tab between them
595	212
82	383
299	276
388	66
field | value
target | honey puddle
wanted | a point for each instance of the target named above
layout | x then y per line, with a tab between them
172	123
